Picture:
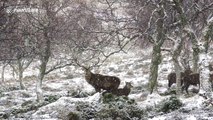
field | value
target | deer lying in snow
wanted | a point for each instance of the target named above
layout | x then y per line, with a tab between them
123	91
98	81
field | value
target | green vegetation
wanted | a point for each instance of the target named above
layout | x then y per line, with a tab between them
170	104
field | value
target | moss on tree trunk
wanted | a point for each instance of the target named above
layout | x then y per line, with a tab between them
156	53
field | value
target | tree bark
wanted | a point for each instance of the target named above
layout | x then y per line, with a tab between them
176	54
2	73
44	58
20	74
156	60
179	43
204	59
208	35
41	75
204	72
156	54
196	52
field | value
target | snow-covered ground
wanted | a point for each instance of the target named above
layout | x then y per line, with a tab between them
67	87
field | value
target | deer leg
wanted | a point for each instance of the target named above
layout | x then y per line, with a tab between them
186	88
169	85
97	89
182	88
199	86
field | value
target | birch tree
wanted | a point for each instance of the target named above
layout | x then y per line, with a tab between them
157	44
199	14
98	27
19	66
179	42
44	27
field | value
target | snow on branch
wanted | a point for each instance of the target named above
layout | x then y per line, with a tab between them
210	20
190	32
166	49
58	65
170	38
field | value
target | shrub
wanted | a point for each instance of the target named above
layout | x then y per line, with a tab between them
51	98
110	98
169	92
110	107
171	104
1	94
77	94
73	116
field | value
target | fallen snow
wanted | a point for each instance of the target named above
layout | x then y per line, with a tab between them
125	67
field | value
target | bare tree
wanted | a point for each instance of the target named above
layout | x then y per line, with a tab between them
11	40
19	66
44	28
157	42
183	20
95	30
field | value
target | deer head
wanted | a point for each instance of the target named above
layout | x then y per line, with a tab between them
128	85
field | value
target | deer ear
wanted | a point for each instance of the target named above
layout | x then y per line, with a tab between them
83	69
130	83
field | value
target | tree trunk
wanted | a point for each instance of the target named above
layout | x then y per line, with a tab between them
156	60
156	54
195	60
20	74
176	54
45	52
196	52
204	72
2	73
41	75
204	59
179	43
177	71
208	36
44	58
39	91
21	80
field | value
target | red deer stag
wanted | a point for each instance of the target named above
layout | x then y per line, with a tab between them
123	91
98	81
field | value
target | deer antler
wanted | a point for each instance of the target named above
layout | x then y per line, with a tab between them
80	65
96	63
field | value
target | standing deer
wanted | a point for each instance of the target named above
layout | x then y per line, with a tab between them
172	77
98	81
191	79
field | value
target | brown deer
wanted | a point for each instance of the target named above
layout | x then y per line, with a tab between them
191	79
98	81
123	91
172	77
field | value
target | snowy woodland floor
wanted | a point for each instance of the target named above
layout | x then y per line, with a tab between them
65	89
